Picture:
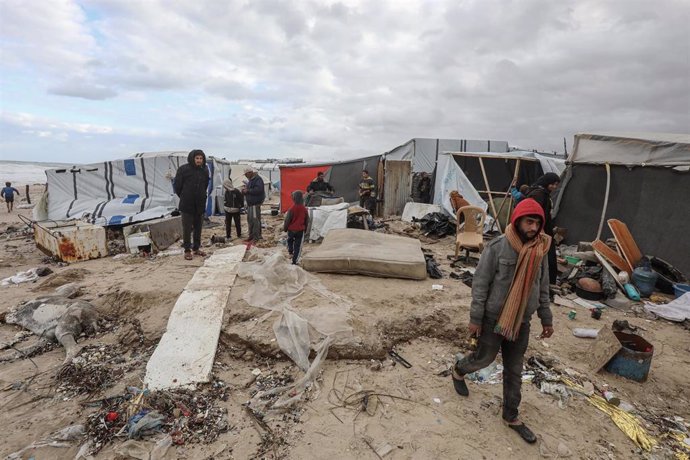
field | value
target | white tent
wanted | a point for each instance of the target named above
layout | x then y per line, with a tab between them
123	191
487	175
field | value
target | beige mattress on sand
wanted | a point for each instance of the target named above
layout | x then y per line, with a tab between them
362	252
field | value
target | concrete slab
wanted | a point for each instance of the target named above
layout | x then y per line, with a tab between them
185	354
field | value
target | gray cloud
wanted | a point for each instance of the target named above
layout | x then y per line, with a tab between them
328	77
84	90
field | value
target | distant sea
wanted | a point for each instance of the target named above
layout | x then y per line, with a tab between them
25	172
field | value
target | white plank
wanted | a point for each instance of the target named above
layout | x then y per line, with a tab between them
185	354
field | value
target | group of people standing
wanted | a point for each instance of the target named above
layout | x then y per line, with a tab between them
191	185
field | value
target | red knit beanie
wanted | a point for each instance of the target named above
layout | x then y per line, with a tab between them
527	207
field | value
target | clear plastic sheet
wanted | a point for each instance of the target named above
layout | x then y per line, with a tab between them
276	284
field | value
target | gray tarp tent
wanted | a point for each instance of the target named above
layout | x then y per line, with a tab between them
423	152
648	189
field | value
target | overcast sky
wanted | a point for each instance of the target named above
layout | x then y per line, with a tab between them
90	80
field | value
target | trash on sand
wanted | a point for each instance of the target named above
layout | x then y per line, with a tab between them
56	318
492	374
611	398
60	438
437	400
625	421
632	292
585	333
276	284
558	390
432	267
572	314
256	372
144	423
161	448
437	287
171	252
24	277
436	224
465	276
677	310
133	449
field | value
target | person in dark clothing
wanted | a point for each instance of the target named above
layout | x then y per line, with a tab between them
319	185
232	205
367	193
8	194
255	195
424	188
295	224
519	193
541	193
509	285
191	184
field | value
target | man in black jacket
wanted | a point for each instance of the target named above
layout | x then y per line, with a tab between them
191	184
541	192
319	185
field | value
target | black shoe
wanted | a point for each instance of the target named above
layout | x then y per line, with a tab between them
524	432
459	384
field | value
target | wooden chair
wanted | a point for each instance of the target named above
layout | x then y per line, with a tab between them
471	236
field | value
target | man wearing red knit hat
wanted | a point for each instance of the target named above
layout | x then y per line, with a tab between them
510	283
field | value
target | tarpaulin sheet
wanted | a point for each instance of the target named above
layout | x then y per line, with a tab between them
296	178
649	149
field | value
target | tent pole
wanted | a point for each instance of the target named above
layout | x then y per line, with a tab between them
507	194
606	200
491	197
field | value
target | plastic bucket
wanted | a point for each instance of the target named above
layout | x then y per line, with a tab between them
680	289
634	358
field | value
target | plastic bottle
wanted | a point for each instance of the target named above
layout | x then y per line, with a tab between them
585	333
631	292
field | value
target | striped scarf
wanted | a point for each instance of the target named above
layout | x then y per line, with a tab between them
530	255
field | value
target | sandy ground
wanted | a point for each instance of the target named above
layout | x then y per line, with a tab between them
416	413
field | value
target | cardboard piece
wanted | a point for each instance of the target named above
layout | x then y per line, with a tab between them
603	349
620	263
625	241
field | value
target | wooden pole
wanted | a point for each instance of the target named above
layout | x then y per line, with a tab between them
491	197
28	197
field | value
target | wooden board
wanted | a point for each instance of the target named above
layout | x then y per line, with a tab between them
610	255
605	347
625	241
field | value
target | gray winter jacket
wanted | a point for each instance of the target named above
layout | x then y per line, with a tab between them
492	280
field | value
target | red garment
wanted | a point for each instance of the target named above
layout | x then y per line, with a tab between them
298	218
527	207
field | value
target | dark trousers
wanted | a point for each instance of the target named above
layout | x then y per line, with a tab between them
425	197
513	354
294	244
229	218
553	263
254	222
191	223
368	203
